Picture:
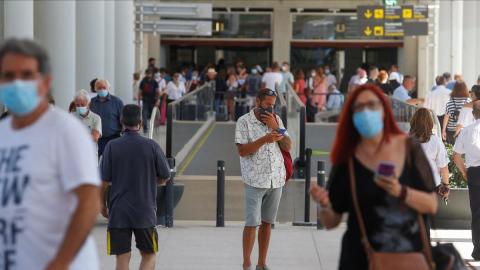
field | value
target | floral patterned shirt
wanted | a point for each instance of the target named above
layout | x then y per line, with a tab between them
264	168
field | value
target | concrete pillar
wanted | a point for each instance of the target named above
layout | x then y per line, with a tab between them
55	30
424	69
18	18
282	33
471	31
154	48
109	55
90	42
124	49
457	36
444	55
407	56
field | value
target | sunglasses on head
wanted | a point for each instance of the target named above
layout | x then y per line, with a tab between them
270	93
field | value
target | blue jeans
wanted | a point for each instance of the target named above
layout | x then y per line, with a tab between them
147	113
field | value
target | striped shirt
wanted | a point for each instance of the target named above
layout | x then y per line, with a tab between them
453	107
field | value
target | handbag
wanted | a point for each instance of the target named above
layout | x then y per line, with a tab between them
391	260
287	161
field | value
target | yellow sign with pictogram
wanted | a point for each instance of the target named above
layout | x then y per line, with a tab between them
378	13
368	31
368	14
378	31
407	13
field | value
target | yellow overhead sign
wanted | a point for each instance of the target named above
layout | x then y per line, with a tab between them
378	31
368	14
368	31
378	13
407	13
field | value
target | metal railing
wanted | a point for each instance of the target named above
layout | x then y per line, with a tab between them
402	111
196	106
296	119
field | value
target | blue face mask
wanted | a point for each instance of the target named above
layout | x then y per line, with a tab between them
102	93
82	110
368	123
20	97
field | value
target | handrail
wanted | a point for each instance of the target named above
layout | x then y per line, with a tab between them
151	125
283	107
178	101
170	110
292	97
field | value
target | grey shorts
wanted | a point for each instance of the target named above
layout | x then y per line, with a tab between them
261	204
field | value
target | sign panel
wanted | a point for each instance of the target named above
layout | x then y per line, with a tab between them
393	13
392	20
420	12
415	28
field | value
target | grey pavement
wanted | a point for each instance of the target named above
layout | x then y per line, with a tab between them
198	245
201	246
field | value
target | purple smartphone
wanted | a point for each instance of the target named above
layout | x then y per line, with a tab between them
385	169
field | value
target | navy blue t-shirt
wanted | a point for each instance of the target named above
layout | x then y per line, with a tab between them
132	164
110	111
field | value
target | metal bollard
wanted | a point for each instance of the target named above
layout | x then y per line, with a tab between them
169	195
321	183
220	193
308	153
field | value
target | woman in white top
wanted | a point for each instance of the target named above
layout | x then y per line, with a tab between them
421	127
466	113
175	88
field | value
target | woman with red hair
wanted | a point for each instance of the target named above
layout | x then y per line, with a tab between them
390	177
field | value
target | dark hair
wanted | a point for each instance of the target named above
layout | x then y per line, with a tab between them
372	68
408	77
476	109
264	92
299	75
476	91
151	59
459	90
440	80
421	125
347	137
447	76
29	48
92	85
131	115
275	65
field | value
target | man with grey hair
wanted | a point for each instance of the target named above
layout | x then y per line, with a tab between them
109	108
49	191
467	144
90	119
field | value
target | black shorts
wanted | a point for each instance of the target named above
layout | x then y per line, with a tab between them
119	241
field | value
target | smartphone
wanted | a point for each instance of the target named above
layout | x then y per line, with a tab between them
282	131
385	170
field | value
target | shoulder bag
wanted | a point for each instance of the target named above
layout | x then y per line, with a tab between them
391	260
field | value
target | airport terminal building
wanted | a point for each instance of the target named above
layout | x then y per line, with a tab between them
307	33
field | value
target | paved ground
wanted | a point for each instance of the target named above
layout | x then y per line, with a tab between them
201	246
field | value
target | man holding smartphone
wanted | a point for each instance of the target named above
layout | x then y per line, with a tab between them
260	136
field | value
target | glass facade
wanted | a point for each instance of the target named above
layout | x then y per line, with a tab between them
242	25
238	26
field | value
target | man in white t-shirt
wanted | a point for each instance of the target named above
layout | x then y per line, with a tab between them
437	99
273	79
287	78
48	172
